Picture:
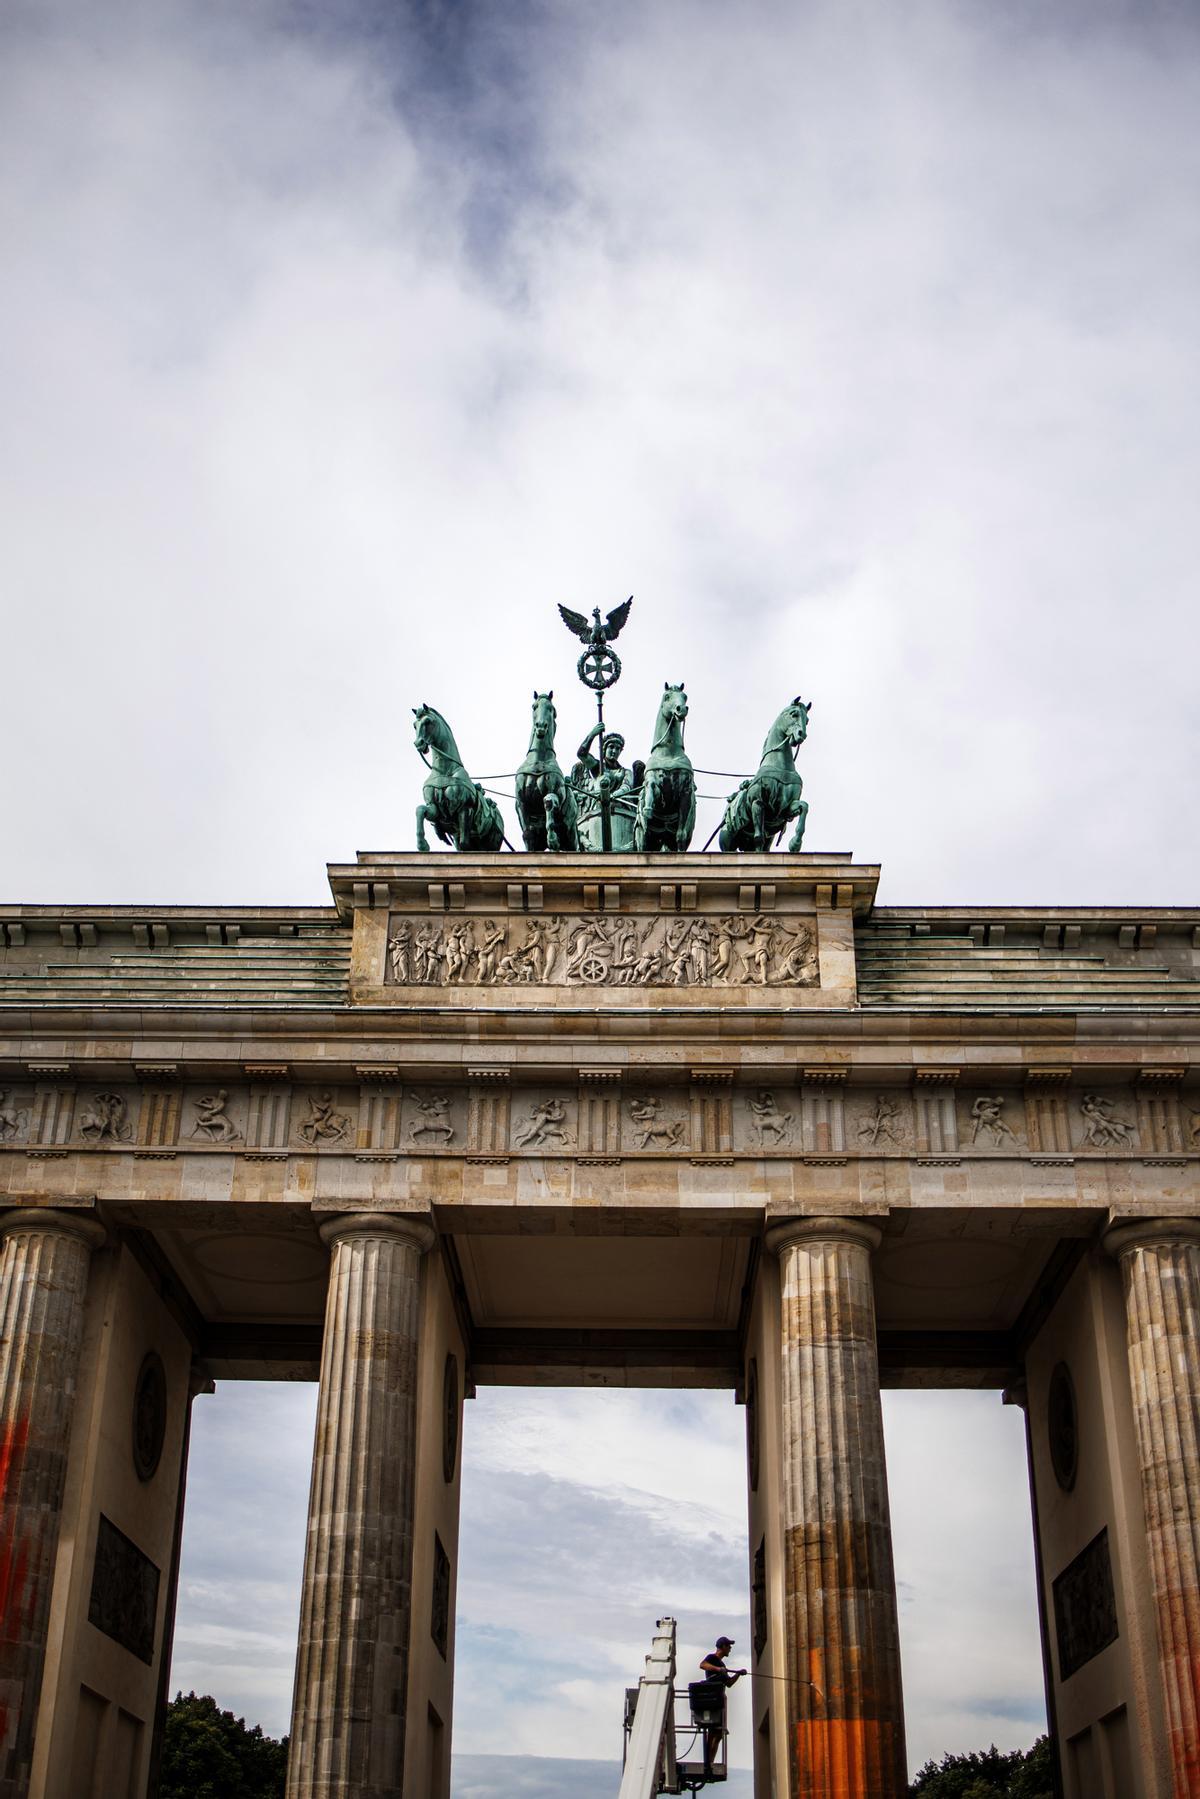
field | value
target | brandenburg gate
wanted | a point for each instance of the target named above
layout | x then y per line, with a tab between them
581	1116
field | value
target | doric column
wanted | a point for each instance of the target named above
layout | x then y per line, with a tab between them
44	1259
1160	1263
846	1718
352	1657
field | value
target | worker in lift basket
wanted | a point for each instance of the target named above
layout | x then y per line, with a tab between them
716	1674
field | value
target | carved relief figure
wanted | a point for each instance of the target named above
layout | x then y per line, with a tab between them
649	967
794	952
653	1127
589	951
544	1125
881	1126
769	1121
398	950
212	1120
1102	1128
700	949
493	943
601	950
459	950
434	1120
986	1115
105	1121
324	1124
543	939
756	963
729	932
12	1120
677	951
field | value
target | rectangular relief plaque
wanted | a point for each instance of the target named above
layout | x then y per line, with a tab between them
1085	1607
598	950
124	1601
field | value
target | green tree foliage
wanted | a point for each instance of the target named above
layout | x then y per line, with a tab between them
210	1754
989	1774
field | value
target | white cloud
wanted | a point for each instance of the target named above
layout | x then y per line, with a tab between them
857	341
858	346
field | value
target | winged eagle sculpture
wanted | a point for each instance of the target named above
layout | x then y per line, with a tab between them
596	634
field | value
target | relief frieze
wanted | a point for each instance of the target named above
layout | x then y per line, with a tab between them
104	1118
211	1122
599	950
817	1114
14	1118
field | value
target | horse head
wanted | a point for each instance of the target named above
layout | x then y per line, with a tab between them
545	719
433	734
792	723
674	706
424	716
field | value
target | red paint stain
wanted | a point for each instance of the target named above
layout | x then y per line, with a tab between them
15	1599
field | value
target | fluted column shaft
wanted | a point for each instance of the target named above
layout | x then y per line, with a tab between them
845	1705
1160	1265
44	1259
352	1657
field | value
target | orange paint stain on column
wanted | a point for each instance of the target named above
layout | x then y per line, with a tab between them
845	1758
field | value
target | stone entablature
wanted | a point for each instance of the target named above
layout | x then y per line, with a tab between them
50	1111
702	928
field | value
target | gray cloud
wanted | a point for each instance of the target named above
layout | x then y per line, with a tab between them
339	343
858	346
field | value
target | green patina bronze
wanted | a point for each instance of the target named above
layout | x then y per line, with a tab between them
458	809
666	814
546	801
763	807
606	785
604	806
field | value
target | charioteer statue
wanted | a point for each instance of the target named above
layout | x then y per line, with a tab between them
603	805
604	780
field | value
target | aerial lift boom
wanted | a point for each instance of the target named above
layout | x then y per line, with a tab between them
652	1762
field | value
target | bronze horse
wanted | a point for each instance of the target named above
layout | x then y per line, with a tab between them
546	804
763	807
458	809
666	814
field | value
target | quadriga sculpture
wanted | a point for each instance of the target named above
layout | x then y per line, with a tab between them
666	813
764	806
546	803
459	811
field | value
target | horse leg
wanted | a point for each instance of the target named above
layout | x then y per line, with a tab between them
797	837
550	807
423	812
758	818
642	816
530	816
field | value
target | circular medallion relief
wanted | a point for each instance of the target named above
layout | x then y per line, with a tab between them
1062	1424
752	1421
149	1415
450	1417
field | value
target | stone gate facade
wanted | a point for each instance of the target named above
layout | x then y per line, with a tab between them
703	1120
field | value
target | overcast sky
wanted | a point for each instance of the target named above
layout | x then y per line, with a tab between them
586	1516
857	341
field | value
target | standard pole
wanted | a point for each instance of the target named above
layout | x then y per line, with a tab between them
602	791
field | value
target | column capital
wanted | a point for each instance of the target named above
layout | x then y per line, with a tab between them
83	1225
1149	1233
409	1227
789	1231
